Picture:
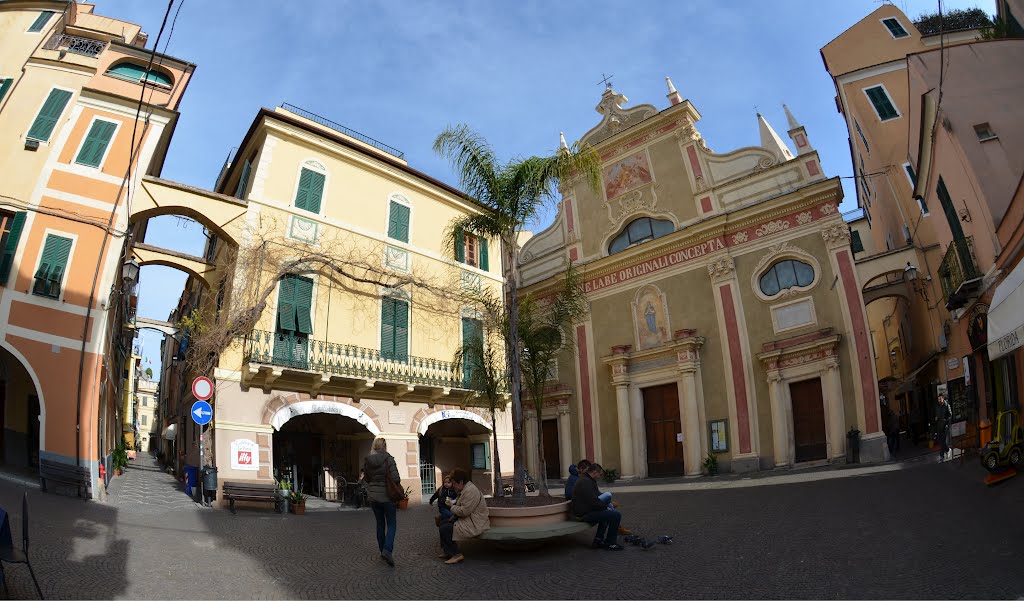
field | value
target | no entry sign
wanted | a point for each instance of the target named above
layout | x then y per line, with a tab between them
202	388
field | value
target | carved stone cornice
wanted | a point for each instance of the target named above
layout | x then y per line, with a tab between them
821	348
836	236
722	269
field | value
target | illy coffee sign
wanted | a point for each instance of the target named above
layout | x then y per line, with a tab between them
245	455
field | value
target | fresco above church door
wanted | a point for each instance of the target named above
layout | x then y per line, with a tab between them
650	318
625	175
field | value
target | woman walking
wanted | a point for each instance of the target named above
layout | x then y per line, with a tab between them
377	467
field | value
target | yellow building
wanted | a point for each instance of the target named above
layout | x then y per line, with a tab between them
70	83
343	243
726	320
148	414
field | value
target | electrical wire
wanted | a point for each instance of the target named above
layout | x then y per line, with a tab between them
103	245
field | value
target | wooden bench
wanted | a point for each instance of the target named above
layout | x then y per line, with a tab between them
250	491
67	474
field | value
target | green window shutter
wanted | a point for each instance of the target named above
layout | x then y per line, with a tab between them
286	304
387	327
5	84
398	222
855	242
303	296
401	330
47	118
41	21
96	143
243	180
460	246
883	106
11	247
52	265
484	264
311	189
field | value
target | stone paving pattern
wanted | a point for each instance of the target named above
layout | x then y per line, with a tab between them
933	531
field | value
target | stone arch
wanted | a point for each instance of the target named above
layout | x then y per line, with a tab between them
146	255
277	405
427	416
219	213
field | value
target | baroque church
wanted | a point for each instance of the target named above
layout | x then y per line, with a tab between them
726	317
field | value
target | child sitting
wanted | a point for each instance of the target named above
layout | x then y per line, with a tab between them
440	495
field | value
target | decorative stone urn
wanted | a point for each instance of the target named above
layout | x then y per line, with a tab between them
502	517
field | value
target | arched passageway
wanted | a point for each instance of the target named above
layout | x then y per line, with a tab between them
22	417
448	442
319	453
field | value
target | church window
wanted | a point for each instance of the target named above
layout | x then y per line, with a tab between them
786	274
640	230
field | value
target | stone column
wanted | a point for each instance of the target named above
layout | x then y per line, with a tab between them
564	440
636	414
780	421
692	459
837	416
626	464
530	440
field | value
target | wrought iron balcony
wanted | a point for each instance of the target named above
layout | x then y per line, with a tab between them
299	353
76	45
342	129
958	273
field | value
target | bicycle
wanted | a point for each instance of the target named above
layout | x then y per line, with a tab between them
528	483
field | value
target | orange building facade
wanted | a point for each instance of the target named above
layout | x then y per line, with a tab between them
82	120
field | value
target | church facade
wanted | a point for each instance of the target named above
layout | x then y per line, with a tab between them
726	317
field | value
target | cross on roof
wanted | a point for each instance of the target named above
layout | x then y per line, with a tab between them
606	80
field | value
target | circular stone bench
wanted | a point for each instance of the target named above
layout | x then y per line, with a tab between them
511	534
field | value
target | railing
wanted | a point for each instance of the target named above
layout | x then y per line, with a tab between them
341	128
298	352
76	45
958	266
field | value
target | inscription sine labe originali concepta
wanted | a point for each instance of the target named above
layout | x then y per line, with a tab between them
652	265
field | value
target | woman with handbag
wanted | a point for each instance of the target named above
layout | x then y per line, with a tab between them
385	489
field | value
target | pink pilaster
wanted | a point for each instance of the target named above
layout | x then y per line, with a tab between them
739	380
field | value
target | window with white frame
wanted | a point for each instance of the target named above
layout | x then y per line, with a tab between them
985	132
883	104
895	28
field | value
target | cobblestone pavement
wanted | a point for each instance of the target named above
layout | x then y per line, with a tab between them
934	531
144	487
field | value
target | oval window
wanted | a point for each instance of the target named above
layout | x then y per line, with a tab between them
784	275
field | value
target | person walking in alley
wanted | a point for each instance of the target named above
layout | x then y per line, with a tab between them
943	417
377	467
470	516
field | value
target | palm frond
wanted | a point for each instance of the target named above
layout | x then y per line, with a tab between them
474	162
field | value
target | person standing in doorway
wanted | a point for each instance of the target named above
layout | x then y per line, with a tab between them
942	419
378	466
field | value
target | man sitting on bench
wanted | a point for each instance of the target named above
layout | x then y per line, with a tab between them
588	506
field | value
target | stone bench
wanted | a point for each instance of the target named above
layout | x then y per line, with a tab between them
77	476
522	536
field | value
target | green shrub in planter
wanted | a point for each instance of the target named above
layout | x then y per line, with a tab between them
611	475
711	464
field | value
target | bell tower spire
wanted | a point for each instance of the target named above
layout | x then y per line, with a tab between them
771	140
797	133
673	96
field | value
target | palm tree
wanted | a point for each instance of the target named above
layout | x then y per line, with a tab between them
545	331
514	192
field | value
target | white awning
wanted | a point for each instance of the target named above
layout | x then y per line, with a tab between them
170	432
1006	315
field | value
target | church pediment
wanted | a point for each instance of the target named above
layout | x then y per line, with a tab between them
616	118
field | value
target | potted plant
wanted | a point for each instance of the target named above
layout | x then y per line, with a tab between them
611	475
403	503
284	492
120	458
298	501
711	464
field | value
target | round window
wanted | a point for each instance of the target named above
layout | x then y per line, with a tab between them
784	275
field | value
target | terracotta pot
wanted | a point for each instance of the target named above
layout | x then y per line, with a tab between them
529	516
298	508
404	503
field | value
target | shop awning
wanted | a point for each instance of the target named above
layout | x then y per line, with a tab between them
1006	315
170	432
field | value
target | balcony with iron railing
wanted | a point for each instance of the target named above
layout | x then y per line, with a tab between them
291	108
283	359
959	273
75	45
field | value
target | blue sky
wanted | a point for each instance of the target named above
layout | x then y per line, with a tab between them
517	72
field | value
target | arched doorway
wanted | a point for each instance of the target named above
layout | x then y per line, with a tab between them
450	439
319	452
21	414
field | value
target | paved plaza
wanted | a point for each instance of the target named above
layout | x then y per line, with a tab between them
929	531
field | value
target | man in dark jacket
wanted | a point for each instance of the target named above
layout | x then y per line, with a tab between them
587	505
570	483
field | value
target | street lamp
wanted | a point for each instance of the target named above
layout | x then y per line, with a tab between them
130	273
910	273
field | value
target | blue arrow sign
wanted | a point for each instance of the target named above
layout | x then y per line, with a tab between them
202	412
